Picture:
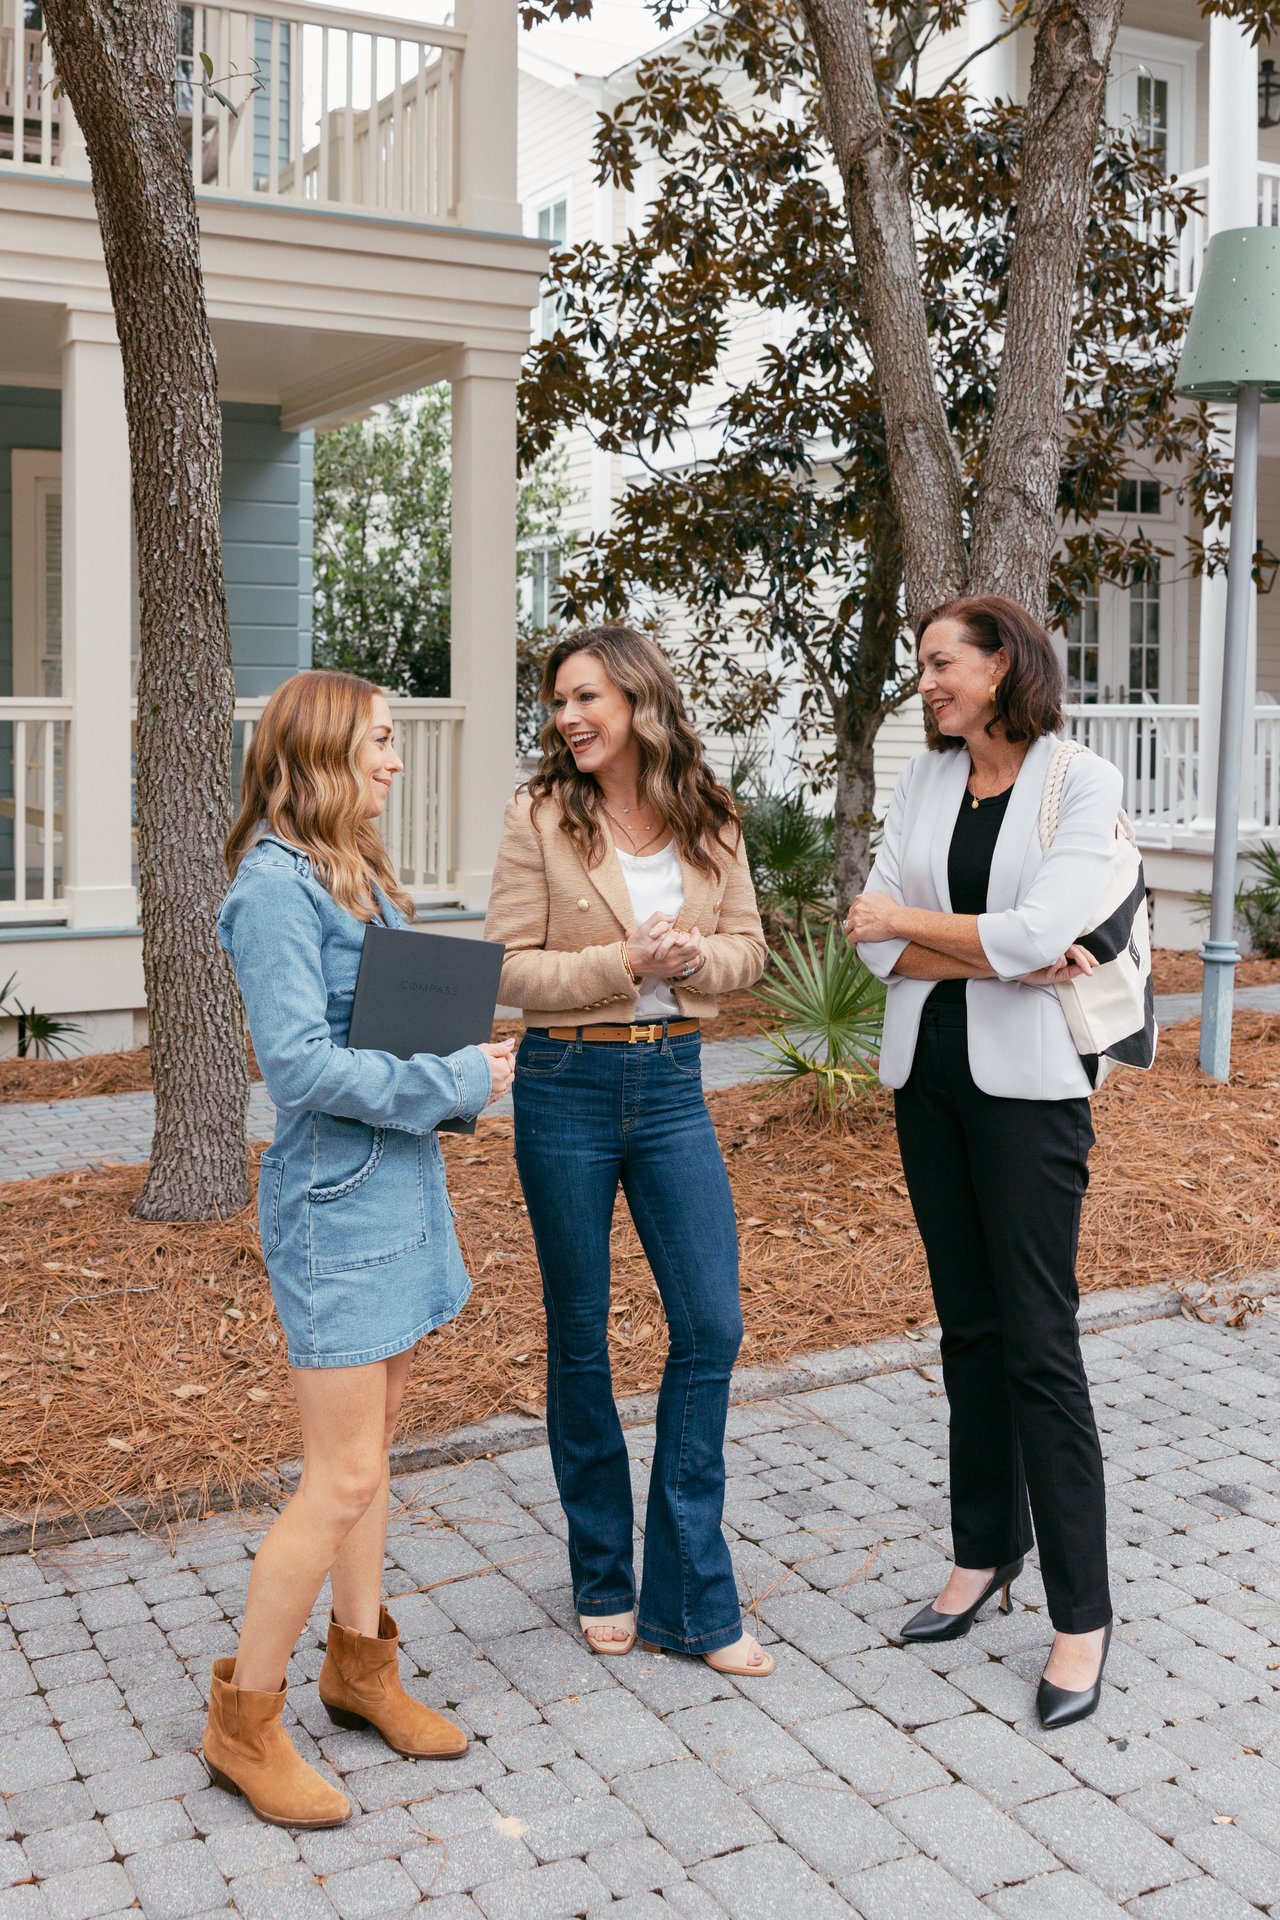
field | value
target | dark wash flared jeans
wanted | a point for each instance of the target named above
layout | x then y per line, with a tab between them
591	1118
996	1186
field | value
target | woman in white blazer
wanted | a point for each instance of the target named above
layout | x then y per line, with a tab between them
970	923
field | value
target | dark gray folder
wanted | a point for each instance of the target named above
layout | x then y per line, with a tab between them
425	993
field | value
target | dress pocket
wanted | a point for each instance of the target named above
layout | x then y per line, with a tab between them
372	1207
270	1177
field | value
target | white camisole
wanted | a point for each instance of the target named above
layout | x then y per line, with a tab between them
656	885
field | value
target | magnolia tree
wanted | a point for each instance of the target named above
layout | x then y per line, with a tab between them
971	336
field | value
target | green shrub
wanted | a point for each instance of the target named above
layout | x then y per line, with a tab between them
791	852
835	1010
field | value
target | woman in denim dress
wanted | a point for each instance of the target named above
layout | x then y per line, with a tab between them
356	1227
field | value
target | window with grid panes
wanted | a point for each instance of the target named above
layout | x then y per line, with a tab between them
1144	635
553	227
1082	650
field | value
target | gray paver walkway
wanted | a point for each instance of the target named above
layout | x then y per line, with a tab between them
863	1778
54	1136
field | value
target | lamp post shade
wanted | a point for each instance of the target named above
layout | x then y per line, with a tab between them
1233	340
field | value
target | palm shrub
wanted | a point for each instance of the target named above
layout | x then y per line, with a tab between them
1259	905
791	853
835	1009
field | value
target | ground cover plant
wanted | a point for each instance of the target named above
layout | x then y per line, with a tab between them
138	1358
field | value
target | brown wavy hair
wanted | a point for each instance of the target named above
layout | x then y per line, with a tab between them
303	782
675	780
1029	698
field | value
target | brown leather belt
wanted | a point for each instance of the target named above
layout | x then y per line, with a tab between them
648	1030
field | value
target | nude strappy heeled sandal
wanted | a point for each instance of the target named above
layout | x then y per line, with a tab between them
612	1648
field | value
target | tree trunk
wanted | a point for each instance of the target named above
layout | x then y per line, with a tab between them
924	469
860	709
118	66
1017	522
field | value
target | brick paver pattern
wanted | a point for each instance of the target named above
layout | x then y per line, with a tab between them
863	1778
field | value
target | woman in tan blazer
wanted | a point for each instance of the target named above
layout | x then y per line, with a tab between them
623	895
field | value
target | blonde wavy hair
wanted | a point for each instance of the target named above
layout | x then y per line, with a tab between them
675	780
302	781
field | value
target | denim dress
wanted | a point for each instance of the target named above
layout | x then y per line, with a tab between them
355	1221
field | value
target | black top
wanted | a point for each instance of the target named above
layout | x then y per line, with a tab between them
973	842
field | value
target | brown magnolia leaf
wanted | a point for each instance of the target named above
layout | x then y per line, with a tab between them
120	1446
261	1395
187	1392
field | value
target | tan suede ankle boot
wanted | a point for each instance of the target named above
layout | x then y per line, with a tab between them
360	1687
247	1750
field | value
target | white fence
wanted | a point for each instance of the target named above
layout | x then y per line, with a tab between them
33	760
307	104
419	823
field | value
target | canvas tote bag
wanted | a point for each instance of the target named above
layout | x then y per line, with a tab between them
1111	1012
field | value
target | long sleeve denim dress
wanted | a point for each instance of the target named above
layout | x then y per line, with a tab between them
357	1231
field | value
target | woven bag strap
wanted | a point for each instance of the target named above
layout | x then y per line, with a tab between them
1051	799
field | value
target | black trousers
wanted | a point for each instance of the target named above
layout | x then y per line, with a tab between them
996	1187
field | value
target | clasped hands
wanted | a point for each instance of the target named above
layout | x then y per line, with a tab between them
877	916
659	950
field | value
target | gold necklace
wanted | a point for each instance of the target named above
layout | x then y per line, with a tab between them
636	847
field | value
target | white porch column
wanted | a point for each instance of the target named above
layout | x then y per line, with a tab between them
1232	201
97	542
483	596
486	138
993	74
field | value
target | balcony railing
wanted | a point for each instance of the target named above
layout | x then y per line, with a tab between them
1192	241
302	104
33	760
1157	749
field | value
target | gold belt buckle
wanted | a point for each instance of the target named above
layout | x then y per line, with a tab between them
649	1033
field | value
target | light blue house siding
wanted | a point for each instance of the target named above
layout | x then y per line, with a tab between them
266	545
266	532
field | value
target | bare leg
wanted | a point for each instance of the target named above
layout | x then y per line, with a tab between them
343	1413
356	1573
963	1588
1073	1664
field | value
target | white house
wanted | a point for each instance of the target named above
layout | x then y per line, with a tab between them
1144	663
361	237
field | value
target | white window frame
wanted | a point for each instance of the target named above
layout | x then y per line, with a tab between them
1168	57
560	190
1168	527
35	474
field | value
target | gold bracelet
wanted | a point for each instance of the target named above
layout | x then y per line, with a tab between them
626	961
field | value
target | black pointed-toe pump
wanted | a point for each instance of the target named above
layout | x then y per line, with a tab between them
929	1624
1058	1706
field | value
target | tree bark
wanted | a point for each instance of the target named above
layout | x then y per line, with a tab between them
860	708
1017	523
924	468
118	65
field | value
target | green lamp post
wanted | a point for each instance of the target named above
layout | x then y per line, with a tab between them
1232	354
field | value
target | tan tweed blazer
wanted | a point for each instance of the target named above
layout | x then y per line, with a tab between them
563	924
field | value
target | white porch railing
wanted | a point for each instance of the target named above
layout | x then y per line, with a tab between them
33	759
327	107
419	823
1192	241
1157	749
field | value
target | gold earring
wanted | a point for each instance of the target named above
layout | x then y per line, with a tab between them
991	691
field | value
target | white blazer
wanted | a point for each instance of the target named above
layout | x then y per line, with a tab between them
1019	1044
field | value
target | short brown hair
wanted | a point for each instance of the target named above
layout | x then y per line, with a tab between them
1029	698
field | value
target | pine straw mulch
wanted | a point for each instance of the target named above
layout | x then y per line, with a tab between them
140	1360
75	1079
1174	971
